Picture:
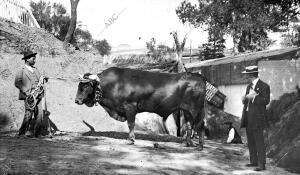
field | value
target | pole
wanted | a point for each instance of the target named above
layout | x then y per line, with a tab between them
190	51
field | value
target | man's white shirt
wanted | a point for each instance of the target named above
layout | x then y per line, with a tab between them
230	136
29	68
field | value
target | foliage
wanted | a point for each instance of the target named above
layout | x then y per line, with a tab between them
52	18
240	18
257	40
215	46
83	38
292	36
150	45
213	49
42	13
103	47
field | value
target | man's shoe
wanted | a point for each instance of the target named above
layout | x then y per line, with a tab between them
251	165
259	169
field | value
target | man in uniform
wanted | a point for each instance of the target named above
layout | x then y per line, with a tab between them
26	80
255	100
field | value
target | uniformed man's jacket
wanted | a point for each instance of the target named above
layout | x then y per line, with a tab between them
26	81
255	117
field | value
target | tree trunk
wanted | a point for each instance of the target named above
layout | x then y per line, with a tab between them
73	21
179	47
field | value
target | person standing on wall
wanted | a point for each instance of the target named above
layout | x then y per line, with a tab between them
255	100
27	80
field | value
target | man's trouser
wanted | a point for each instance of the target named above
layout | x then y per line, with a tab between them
32	124
257	150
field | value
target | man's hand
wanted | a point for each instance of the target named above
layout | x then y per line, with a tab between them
46	78
27	94
251	95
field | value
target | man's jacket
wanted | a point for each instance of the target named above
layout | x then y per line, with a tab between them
25	81
255	117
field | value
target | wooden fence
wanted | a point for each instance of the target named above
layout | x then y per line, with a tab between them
17	11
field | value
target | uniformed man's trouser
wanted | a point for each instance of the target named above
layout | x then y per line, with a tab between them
257	150
32	124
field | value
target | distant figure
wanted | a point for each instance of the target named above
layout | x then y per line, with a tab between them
255	100
233	135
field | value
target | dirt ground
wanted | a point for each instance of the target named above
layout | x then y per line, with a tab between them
107	153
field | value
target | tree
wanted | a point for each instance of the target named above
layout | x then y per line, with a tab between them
179	47
52	18
213	49
73	21
82	38
103	47
292	35
150	45
239	18
60	21
42	13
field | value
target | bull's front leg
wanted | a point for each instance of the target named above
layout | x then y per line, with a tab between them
130	114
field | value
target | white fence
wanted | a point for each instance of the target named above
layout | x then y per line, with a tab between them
17	11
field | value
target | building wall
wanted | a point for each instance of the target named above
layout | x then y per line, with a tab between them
282	76
233	103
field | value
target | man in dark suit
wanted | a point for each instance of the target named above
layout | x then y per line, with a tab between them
255	100
26	80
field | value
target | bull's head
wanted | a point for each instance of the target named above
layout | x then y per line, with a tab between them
86	89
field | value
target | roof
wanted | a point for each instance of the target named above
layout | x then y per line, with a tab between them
254	56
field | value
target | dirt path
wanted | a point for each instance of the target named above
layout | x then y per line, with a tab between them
106	153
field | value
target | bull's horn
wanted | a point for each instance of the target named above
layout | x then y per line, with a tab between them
81	79
94	77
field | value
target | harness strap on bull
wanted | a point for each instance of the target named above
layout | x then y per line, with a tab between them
98	94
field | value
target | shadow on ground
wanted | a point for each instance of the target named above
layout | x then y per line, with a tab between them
107	153
139	136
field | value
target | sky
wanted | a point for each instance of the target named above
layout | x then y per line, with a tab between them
135	21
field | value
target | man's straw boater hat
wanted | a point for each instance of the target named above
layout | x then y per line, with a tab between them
250	69
28	54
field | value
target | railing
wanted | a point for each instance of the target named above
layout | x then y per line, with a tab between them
17	11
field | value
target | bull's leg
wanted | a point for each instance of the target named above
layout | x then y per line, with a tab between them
201	133
165	126
131	136
130	114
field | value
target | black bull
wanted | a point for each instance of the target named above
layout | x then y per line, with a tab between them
124	92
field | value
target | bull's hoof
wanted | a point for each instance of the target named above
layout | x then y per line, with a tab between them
200	148
129	142
190	144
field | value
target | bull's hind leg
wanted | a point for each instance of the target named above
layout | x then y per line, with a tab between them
130	114
201	132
